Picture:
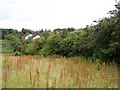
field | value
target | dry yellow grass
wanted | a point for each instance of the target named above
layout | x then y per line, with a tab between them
1	70
53	72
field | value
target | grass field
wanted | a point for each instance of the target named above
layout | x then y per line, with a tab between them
1	70
1	64
57	72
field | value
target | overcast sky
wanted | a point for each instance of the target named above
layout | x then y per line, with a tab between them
51	14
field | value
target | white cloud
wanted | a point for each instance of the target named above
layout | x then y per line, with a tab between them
37	14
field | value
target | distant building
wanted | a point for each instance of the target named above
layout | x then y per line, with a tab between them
33	36
23	37
36	36
28	36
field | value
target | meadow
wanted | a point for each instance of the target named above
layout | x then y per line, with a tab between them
0	71
57	72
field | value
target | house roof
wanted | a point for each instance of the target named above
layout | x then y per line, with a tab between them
34	35
24	35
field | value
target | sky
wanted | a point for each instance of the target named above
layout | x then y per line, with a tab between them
52	14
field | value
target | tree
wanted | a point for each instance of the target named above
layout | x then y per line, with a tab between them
71	45
51	46
30	49
106	37
39	44
15	41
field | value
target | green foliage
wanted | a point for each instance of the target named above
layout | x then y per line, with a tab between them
71	44
46	51
45	33
38	44
29	49
59	43
5	32
25	31
15	41
52	44
6	46
17	53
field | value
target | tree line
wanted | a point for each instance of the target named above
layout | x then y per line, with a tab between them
100	41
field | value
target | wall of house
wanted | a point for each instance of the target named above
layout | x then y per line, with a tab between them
36	37
28	36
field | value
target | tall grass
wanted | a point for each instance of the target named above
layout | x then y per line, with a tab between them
57	72
1	70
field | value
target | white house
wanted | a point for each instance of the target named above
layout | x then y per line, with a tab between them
28	36
35	37
32	36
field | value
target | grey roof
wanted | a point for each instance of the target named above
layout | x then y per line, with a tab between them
34	35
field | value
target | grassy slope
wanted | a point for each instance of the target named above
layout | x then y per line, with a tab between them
35	72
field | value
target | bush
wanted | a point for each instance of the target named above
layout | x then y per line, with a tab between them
17	53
